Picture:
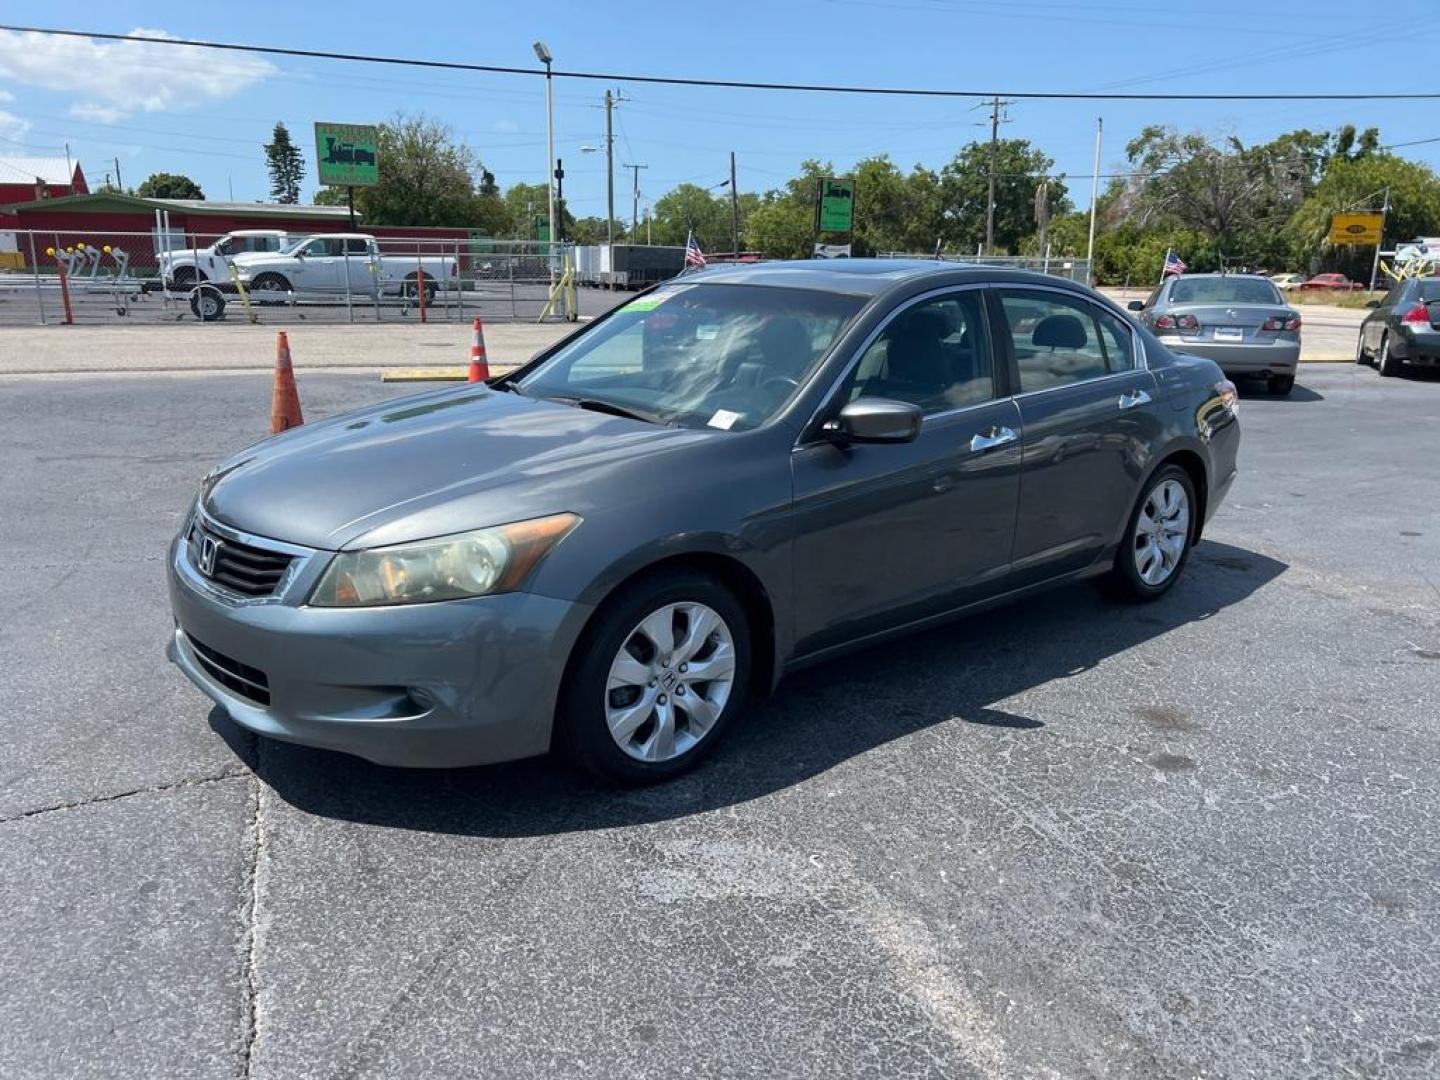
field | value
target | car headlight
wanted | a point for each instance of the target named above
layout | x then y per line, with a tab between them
478	563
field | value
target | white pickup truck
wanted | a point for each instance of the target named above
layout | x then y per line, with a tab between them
333	263
184	268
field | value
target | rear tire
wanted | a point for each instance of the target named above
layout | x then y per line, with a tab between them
1281	385
1158	538
1361	356
1388	364
614	709
412	293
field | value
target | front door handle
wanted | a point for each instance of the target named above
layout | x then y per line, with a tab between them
988	440
1134	397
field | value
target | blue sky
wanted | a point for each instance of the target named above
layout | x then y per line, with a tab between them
160	109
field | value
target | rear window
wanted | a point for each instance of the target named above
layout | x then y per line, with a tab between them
1223	290
1429	289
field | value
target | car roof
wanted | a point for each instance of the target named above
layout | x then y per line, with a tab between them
864	277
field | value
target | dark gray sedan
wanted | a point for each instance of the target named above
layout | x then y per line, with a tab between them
1403	328
1238	320
614	548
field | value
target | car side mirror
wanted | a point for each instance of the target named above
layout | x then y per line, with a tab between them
1372	303
875	420
1135	305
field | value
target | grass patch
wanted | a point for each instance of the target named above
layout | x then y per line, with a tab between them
1353	300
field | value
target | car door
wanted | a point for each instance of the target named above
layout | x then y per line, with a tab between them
316	270
356	264
1089	416
889	533
1378	321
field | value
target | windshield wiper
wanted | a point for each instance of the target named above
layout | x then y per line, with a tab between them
596	405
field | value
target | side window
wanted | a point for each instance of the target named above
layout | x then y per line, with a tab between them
356	246
1118	341
1055	339
317	248
1154	297
225	247
935	355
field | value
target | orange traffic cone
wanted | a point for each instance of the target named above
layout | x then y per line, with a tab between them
479	363
285	404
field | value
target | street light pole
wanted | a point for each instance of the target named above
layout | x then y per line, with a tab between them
1094	202
543	55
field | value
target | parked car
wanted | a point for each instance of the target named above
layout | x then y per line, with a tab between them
326	262
1403	327
613	549
1238	320
1286	282
1333	282
184	268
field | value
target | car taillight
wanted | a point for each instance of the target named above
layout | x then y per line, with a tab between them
1420	313
1279	322
1176	322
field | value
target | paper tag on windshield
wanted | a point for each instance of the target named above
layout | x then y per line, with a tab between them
655	299
724	419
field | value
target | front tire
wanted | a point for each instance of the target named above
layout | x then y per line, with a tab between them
270	282
1388	364
1158	537
1361	356
656	679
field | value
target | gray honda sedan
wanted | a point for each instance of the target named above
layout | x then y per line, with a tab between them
613	549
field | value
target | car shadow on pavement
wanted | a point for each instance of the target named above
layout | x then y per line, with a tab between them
818	718
1255	388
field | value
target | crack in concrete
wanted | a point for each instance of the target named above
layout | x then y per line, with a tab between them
249	939
152	789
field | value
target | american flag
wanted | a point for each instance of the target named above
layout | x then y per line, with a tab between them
1173	265
694	257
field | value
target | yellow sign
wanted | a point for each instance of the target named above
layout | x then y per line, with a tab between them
1358	228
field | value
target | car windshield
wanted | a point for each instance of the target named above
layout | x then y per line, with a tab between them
1223	290
698	355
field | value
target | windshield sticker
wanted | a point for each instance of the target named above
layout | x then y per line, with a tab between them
724	419
658	297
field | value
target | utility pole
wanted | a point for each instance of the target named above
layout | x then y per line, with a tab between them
609	175
1094	201
120	184
734	212
995	106
635	197
1384	213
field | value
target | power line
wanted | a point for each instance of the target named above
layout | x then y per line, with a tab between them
732	84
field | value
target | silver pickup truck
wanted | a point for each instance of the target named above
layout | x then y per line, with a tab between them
184	268
331	263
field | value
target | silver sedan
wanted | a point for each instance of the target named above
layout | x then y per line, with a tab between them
1240	321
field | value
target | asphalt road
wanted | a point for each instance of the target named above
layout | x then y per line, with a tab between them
1065	839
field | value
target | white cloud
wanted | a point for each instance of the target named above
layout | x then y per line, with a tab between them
6	95
11	126
110	80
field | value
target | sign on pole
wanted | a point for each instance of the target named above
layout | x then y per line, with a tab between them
835	206
1362	227
832	251
348	155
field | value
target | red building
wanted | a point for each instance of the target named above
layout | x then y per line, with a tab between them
29	179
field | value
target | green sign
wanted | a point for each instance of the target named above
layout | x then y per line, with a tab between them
348	154
835	208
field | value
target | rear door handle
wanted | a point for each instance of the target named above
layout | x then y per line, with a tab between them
988	440
1134	397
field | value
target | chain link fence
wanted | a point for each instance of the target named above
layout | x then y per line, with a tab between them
269	276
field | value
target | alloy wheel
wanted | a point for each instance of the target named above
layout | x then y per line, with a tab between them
1161	531
670	681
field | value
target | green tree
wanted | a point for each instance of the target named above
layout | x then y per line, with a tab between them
893	211
965	188
1360	181
285	164
691	207
164	185
425	176
591	230
527	206
781	224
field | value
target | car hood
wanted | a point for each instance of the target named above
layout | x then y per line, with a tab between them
429	465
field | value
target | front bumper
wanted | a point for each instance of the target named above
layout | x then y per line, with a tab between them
462	682
1277	357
